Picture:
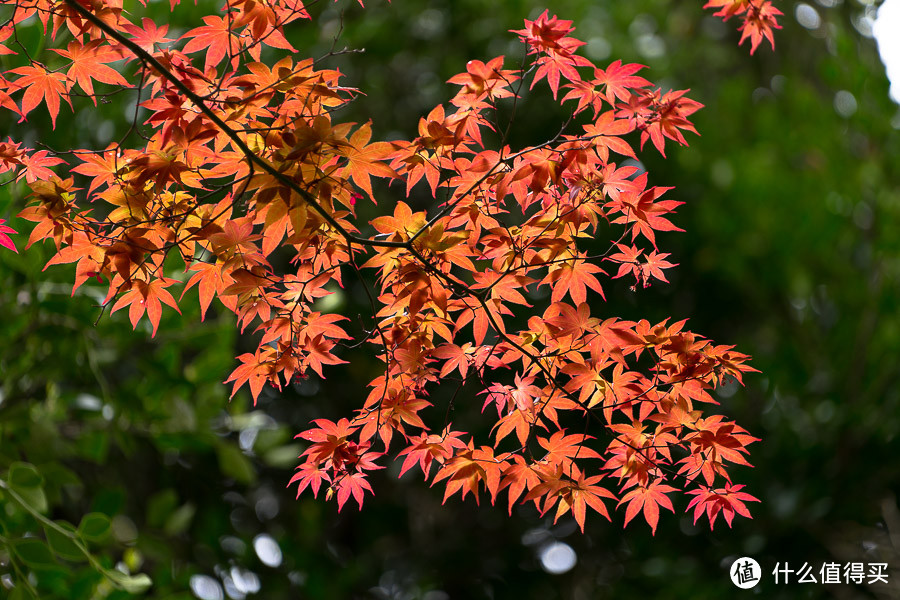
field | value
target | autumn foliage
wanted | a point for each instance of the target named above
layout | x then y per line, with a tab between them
490	289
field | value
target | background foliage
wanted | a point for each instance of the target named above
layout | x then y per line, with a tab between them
793	198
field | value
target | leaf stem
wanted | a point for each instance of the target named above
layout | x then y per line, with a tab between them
75	538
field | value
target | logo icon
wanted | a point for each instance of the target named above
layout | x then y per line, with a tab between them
745	572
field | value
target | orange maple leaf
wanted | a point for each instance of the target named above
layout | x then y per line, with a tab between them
5	240
650	498
144	296
618	79
365	159
41	85
89	62
728	501
216	38
758	24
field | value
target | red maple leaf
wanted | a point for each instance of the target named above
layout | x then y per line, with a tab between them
354	484
101	167
5	32
759	23
654	267
144	296
628	259
573	278
148	36
328	436
555	66
604	135
574	493
425	449
644	211
209	278
467	469
216	39
727	8
89	62
586	94
317	352
36	165
41	85
618	79
5	100
456	357
728	501
563	449
482	80
519	477
5	240
311	474
650	498
365	159
255	370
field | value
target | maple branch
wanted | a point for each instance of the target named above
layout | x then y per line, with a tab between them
251	156
552	380
72	538
565	188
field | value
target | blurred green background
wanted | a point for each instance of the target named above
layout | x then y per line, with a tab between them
791	253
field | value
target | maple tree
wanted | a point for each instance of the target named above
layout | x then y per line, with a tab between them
245	159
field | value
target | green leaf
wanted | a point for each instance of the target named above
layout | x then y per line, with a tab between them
94	527
160	506
65	547
94	446
124	529
25	480
33	497
24	476
20	592
109	501
234	464
133	559
34	553
267	439
180	520
133	584
283	456
256	419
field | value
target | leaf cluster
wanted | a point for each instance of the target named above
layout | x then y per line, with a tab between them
242	161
